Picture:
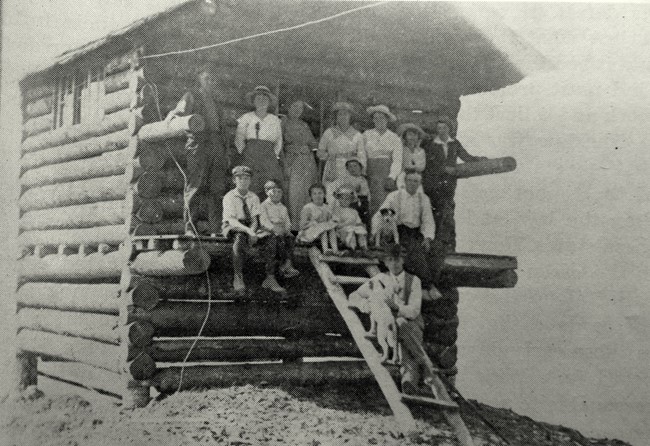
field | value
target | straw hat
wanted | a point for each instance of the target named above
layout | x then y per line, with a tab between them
342	106
381	109
261	89
410	126
345	189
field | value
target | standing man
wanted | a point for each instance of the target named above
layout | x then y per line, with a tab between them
415	226
403	295
207	161
439	180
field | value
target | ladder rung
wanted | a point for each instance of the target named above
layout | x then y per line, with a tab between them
349	260
350	280
427	401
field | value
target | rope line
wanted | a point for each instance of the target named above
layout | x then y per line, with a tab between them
154	89
266	33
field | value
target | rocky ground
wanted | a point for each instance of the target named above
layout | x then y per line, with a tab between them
253	415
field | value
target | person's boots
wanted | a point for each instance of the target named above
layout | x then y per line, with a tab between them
238	283
270	283
287	270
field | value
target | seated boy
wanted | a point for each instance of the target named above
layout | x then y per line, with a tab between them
416	229
276	237
403	294
241	210
358	182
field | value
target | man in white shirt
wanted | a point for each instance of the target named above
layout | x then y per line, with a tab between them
402	292
241	210
415	225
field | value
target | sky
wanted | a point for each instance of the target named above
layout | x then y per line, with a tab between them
569	343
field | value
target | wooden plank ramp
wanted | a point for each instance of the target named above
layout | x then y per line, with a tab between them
397	401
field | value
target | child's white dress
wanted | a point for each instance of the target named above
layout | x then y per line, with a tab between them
314	220
349	225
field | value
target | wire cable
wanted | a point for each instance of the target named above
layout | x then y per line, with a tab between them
266	33
154	89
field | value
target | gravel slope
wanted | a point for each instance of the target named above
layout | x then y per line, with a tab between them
250	415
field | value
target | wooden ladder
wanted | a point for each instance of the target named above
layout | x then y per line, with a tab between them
398	402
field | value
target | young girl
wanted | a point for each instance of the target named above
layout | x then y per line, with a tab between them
349	227
316	221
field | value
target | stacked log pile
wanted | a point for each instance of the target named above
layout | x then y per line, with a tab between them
74	220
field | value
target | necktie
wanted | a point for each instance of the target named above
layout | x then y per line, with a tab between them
247	211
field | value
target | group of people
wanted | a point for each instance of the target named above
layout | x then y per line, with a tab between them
360	176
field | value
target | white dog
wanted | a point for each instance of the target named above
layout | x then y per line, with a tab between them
382	324
386	232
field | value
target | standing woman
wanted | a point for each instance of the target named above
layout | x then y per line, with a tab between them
340	143
414	158
300	166
384	153
259	140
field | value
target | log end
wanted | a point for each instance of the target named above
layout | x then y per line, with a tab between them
196	261
142	366
144	295
196	123
140	333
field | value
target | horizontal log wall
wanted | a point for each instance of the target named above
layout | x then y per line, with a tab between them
96	267
66	135
97	327
99	298
168	379
75	180
83	375
104	213
98	354
107	164
77	150
74	193
93	236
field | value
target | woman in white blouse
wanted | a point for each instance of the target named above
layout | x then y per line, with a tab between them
340	143
384	156
414	158
259	140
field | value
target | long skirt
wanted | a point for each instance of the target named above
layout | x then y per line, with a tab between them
378	170
260	156
301	173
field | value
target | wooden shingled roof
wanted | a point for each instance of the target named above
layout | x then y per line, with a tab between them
427	46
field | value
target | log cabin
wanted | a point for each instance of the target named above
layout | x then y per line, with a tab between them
110	295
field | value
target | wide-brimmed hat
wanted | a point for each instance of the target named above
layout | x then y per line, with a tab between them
345	189
381	109
410	126
342	105
261	89
242	170
354	160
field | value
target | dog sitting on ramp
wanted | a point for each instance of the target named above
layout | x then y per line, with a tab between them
387	232
383	325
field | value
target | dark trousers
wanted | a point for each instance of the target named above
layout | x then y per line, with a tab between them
361	207
207	166
416	256
444	207
427	265
276	249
